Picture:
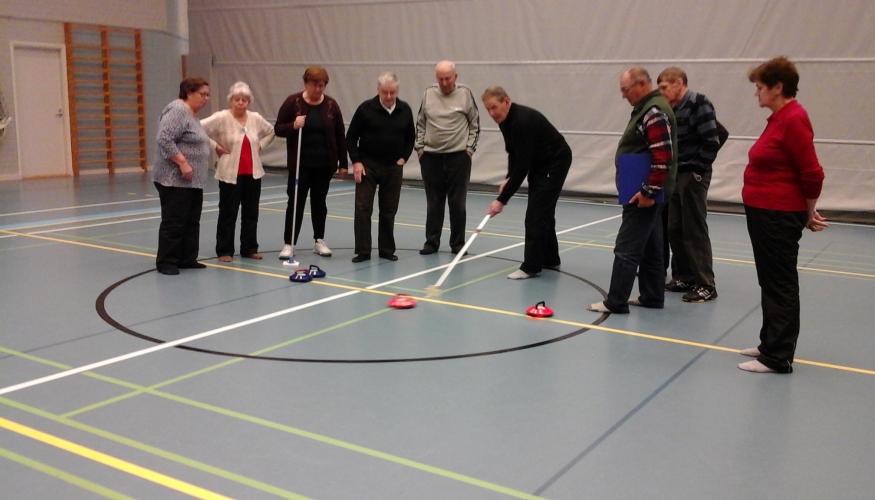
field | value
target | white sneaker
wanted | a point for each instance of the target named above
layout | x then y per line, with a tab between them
598	307
320	248
286	252
755	367
519	274
753	352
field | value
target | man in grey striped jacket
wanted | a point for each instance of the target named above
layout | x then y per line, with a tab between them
692	269
447	129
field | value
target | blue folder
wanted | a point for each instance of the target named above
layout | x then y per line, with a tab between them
632	171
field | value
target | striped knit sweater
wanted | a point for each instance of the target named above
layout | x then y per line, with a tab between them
698	141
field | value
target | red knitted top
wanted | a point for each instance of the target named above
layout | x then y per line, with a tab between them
783	170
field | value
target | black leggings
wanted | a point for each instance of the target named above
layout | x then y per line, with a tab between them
316	182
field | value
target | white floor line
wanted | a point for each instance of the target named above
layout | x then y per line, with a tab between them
74	207
209	333
97	224
123	221
106	204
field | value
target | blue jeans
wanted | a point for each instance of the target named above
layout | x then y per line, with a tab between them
638	250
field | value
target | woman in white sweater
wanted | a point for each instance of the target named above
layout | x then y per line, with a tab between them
238	136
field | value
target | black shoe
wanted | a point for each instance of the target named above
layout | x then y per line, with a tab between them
700	294
361	257
389	256
168	269
427	251
678	286
456	251
193	265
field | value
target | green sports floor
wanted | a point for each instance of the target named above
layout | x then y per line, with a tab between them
232	381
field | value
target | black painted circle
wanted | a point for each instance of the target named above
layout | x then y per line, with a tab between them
100	305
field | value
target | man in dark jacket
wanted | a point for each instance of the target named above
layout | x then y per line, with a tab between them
692	269
535	149
379	142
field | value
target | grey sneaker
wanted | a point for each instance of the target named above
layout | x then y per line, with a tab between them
700	294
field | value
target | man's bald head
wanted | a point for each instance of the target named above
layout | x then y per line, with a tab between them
635	83
445	74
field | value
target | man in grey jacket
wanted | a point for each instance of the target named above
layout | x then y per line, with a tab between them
447	129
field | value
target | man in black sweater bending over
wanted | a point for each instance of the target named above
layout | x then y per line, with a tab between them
379	141
537	150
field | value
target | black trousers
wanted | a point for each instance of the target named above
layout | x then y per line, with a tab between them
179	232
387	178
246	194
316	182
542	246
691	259
445	177
775	237
638	250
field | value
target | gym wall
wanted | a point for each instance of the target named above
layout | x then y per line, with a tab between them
564	57
165	39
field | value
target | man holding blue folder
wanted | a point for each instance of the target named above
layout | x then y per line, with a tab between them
646	162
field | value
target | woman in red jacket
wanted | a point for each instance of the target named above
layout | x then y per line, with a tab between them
782	182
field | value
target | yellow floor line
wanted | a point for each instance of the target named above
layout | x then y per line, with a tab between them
487	309
500	235
110	461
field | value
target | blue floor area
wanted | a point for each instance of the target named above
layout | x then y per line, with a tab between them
319	390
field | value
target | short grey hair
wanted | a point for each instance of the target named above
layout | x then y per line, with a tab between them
496	92
639	74
240	88
450	65
387	77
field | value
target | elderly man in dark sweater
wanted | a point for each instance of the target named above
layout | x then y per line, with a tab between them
379	142
535	149
692	268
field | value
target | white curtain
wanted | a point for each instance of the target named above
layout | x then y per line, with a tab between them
564	58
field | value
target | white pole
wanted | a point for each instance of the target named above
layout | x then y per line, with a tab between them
292	261
461	253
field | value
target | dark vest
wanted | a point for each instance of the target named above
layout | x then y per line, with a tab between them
635	142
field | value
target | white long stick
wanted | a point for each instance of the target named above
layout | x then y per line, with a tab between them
461	253
292	261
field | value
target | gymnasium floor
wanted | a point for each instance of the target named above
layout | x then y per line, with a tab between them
319	390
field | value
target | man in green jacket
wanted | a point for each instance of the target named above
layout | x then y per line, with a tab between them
639	249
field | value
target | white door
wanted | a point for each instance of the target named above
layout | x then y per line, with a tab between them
40	118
